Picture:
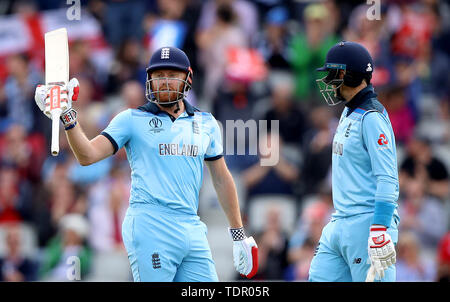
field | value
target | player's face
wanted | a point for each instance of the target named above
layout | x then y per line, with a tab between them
330	86
168	85
340	76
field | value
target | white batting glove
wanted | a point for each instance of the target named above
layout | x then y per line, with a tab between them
245	253
381	251
67	95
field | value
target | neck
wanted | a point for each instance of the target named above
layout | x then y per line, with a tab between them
175	110
349	92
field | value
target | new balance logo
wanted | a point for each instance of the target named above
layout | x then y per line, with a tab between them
165	52
156	262
357	261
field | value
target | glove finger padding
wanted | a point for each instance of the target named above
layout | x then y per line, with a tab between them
254	269
381	250
40	95
245	254
74	89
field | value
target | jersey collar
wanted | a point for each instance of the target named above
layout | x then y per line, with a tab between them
153	108
363	95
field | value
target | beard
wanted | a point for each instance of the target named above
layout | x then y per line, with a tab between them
166	97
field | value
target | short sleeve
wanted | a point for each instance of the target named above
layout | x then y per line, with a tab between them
119	130
379	140
215	147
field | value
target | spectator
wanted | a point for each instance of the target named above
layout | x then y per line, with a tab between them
168	28
81	65
400	113
317	144
127	66
306	236
405	76
133	94
62	199
15	195
308	50
246	16
292	121
273	42
375	36
14	266
123	19
272	248
213	43
174	23
411	266
421	214
262	179
108	201
422	165
19	91
70	242
27	152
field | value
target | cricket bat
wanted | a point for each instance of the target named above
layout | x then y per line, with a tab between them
56	77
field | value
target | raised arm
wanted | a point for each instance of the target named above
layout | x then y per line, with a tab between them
88	151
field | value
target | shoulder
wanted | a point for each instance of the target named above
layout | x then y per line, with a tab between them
373	112
138	112
122	116
371	105
203	116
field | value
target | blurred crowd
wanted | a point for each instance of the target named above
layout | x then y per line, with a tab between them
252	60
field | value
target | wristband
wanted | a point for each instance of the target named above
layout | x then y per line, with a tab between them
70	126
237	234
69	117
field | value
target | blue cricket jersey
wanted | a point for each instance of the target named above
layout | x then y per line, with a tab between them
166	154
364	161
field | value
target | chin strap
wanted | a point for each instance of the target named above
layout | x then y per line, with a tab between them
178	108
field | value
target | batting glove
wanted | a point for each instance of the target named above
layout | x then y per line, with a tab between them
42	98
381	250
245	253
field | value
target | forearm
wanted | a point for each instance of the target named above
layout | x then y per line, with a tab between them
228	199
385	200
81	146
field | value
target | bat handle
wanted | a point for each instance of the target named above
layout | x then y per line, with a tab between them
56	113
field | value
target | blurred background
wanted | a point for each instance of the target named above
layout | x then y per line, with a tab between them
252	60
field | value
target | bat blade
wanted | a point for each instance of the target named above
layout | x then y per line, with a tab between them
56	74
56	57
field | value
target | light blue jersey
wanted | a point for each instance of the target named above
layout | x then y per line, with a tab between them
164	238
364	164
166	155
365	191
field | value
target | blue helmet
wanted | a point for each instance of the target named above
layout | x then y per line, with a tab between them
168	58
350	57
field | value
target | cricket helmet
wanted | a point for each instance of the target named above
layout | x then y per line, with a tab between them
168	58
351	57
